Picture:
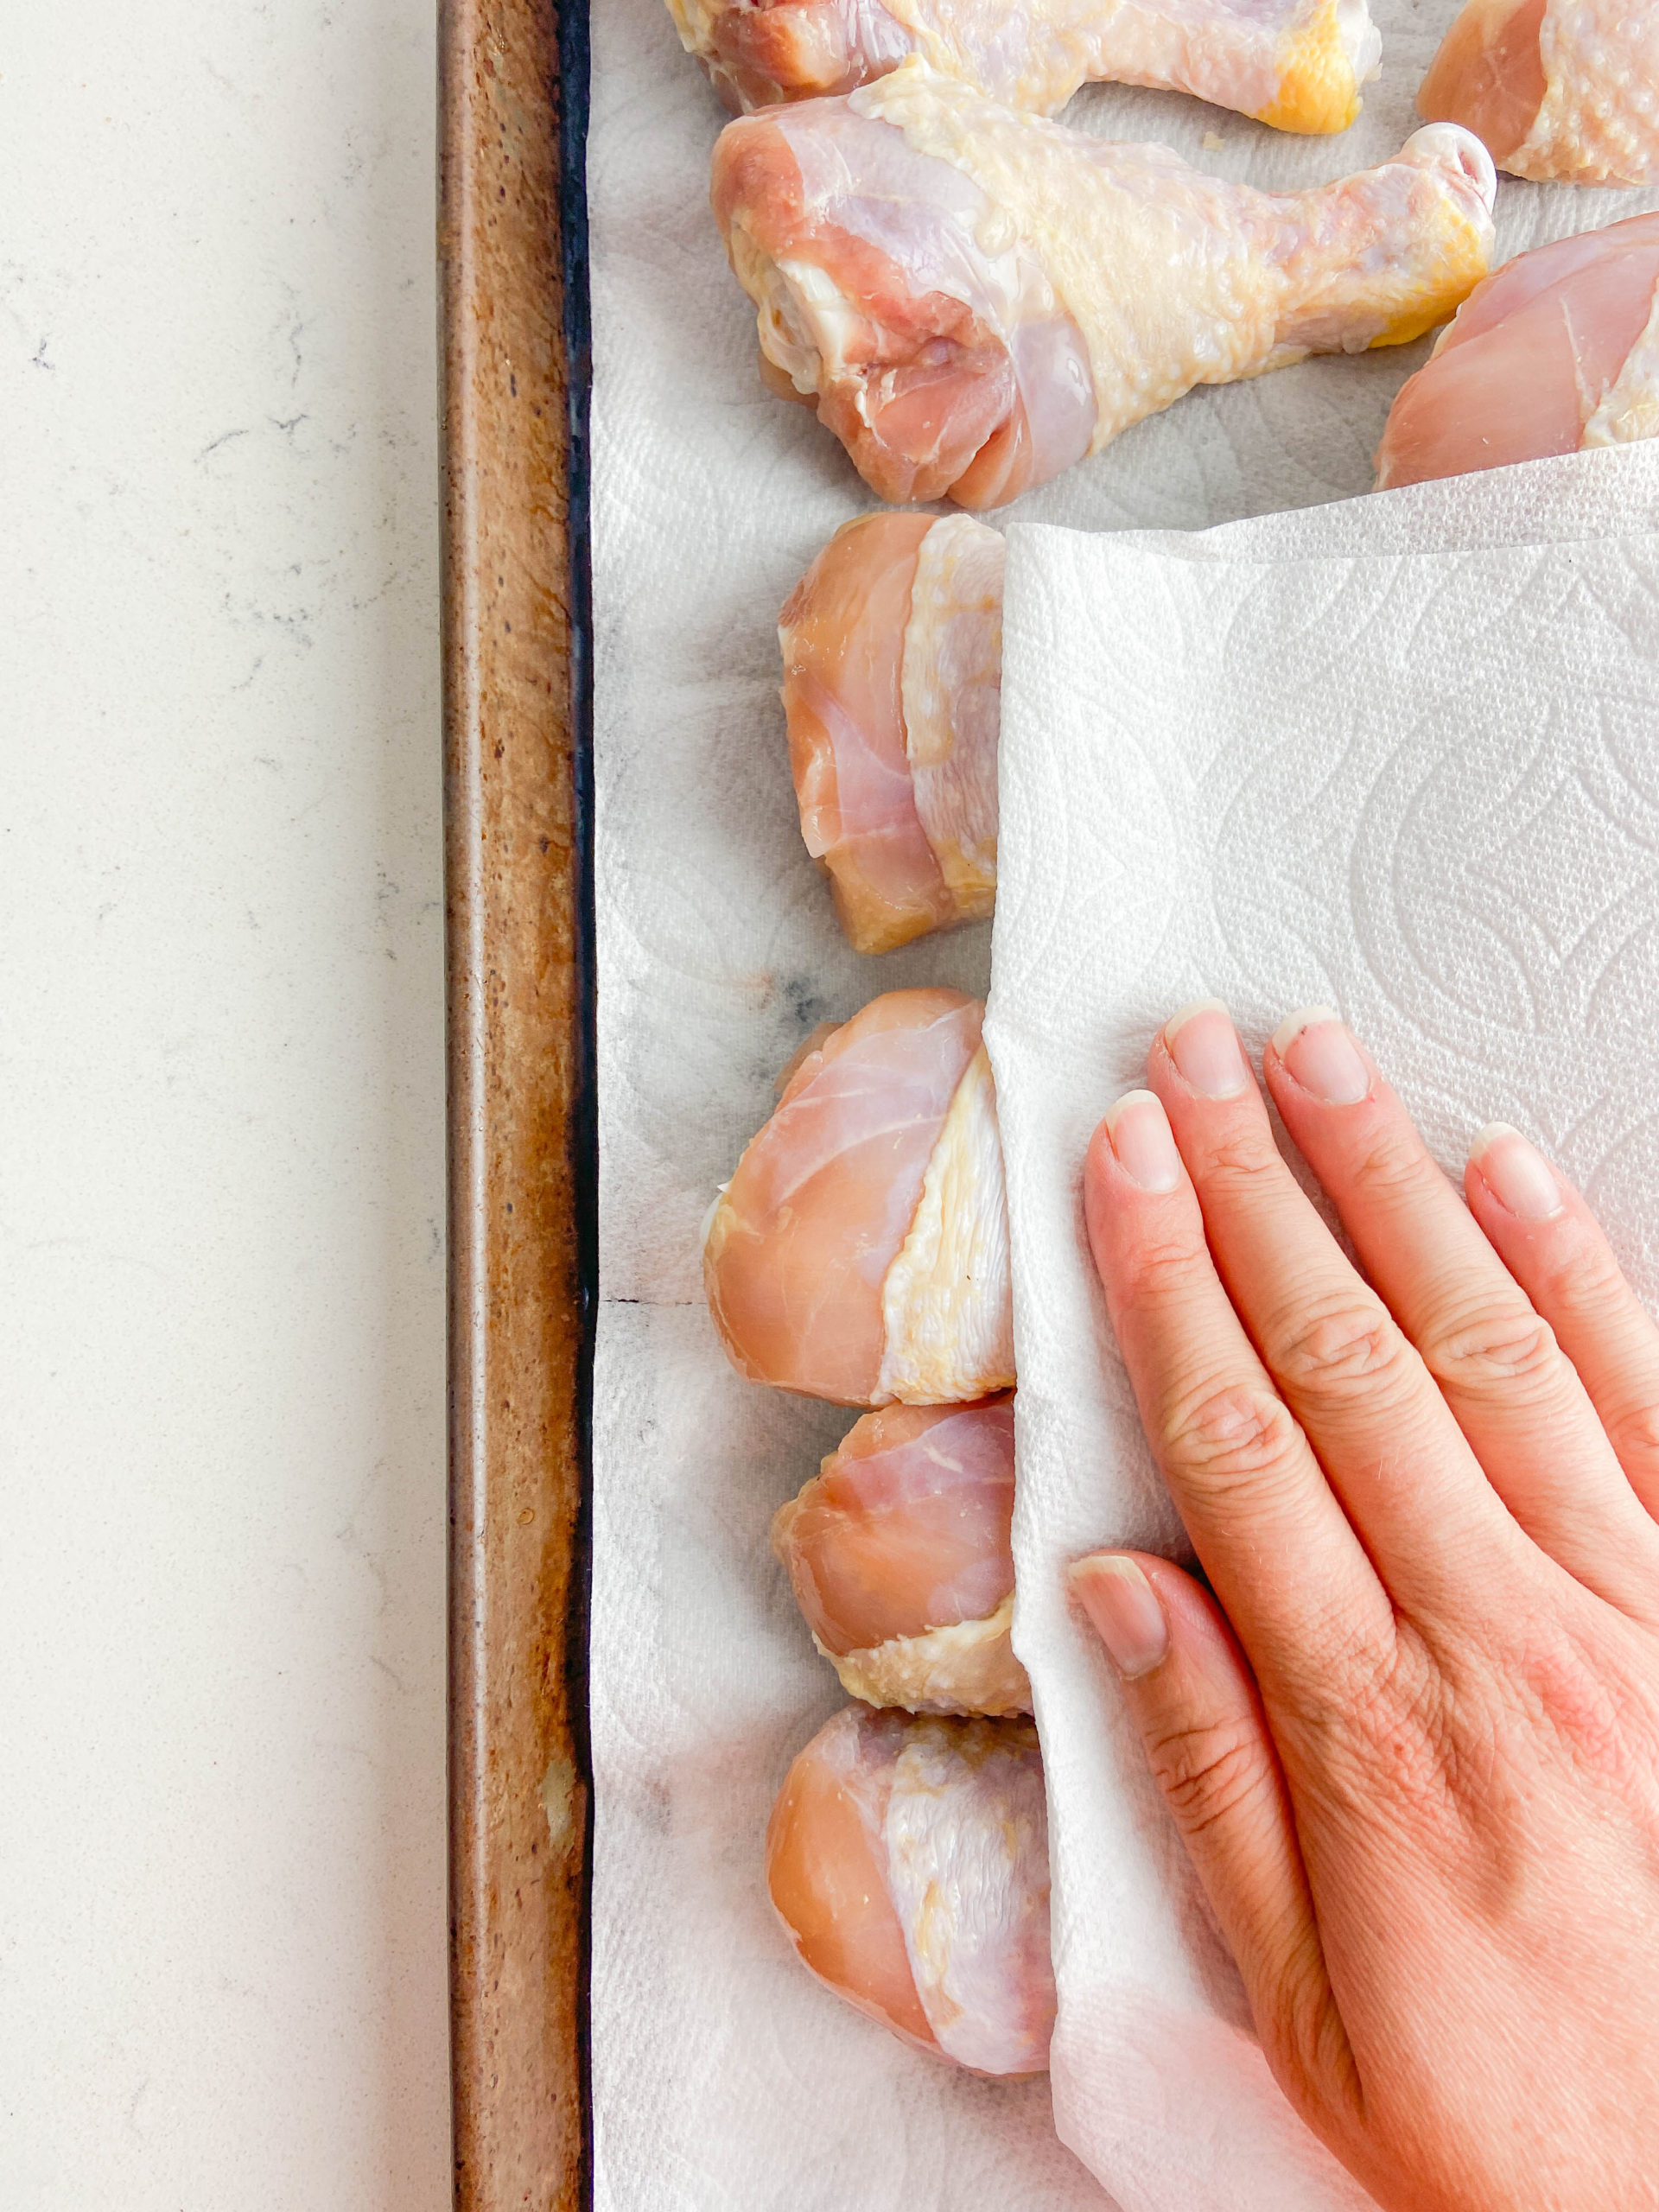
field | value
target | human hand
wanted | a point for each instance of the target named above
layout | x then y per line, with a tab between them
1416	1760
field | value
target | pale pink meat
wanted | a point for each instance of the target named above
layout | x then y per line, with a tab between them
1560	90
908	1860
1487	75
922	320
892	651
1531	355
826	1869
801	1241
843	634
907	1526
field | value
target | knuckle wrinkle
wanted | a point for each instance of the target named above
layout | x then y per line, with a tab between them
1506	1349
1234	1436
1207	1771
1332	1352
1634	1435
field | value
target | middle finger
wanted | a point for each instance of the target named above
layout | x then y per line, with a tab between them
1407	1478
1511	1389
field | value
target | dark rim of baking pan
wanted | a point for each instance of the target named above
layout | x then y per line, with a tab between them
574	74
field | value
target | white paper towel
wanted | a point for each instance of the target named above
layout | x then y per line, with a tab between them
724	2079
1324	758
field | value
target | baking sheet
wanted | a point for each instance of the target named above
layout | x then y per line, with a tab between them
723	2077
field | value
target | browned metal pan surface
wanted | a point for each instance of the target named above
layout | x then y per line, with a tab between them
521	1186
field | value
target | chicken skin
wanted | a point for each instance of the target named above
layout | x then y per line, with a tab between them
908	1859
1560	90
893	668
860	1252
899	1553
1296	64
972	300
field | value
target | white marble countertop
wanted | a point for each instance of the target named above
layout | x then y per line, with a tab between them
222	1927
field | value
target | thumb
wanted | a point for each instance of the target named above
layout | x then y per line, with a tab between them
1191	1691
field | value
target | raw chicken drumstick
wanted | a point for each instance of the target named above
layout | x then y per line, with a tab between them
892	641
1297	63
1557	351
861	1250
973	300
1560	90
892	672
899	1552
908	1859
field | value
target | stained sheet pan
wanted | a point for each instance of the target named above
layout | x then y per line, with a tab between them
522	1183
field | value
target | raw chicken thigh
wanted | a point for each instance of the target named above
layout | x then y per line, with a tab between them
892	670
1559	350
1297	63
1561	90
861	1250
908	1859
972	299
900	1554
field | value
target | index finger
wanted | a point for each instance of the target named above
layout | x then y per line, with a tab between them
1278	1549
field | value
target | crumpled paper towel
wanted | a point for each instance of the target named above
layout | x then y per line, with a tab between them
1398	757
725	2081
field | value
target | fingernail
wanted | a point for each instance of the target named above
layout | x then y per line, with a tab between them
1143	1142
1203	1045
1517	1173
1125	1611
1316	1047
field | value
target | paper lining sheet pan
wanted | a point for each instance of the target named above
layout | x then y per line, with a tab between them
722	2077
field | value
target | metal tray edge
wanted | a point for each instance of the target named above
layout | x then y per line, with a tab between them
519	867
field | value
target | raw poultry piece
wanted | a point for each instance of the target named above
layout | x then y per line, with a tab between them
973	299
861	1250
908	1859
891	640
1297	63
892	670
899	1553
1559	350
1561	90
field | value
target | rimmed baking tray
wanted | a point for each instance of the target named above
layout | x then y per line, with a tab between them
522	1249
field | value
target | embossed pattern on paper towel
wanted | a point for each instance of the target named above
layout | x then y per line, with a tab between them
1421	786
